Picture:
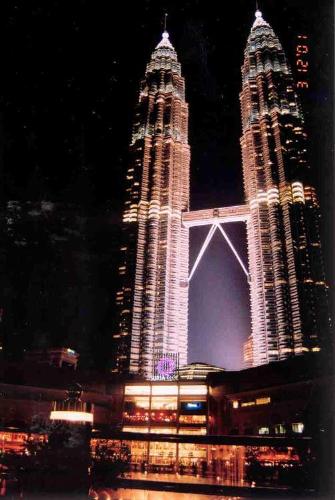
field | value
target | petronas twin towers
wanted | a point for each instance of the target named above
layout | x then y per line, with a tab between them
288	292
153	300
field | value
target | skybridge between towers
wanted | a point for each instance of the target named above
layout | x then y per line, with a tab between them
215	218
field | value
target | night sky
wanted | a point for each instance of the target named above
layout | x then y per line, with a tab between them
70	75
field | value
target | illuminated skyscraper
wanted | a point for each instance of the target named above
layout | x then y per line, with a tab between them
152	302
289	305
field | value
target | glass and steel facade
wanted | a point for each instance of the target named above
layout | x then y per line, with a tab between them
152	302
288	291
277	465
165	408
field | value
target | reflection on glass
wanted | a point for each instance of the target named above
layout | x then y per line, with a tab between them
265	466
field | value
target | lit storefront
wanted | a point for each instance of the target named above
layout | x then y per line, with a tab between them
210	462
165	408
18	442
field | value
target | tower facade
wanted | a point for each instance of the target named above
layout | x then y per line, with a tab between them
152	302
289	305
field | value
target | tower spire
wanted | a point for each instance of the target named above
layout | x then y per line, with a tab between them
165	42
259	21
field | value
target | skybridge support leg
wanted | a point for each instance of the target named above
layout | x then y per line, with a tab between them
202	250
224	234
209	236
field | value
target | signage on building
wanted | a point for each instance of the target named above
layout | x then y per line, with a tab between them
166	366
193	406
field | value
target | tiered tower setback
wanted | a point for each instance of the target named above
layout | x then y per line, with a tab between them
289	306
288	292
153	299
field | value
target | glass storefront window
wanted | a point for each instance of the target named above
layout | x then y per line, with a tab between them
137	390
162	453
135	429
190	453
163	409
195	431
163	430
138	451
164	403
193	390
236	465
166	416
165	390
192	419
136	409
137	402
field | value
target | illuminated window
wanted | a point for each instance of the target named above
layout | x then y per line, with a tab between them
163	430
248	403
190	390
72	416
196	431
143	430
164	403
279	429
137	390
136	410
189	452
263	430
165	416
263	401
298	427
192	419
164	390
162	453
137	402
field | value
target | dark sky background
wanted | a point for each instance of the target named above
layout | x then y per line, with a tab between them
70	75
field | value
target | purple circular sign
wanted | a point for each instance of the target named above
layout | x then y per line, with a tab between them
166	366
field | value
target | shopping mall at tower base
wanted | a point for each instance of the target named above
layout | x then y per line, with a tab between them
264	429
